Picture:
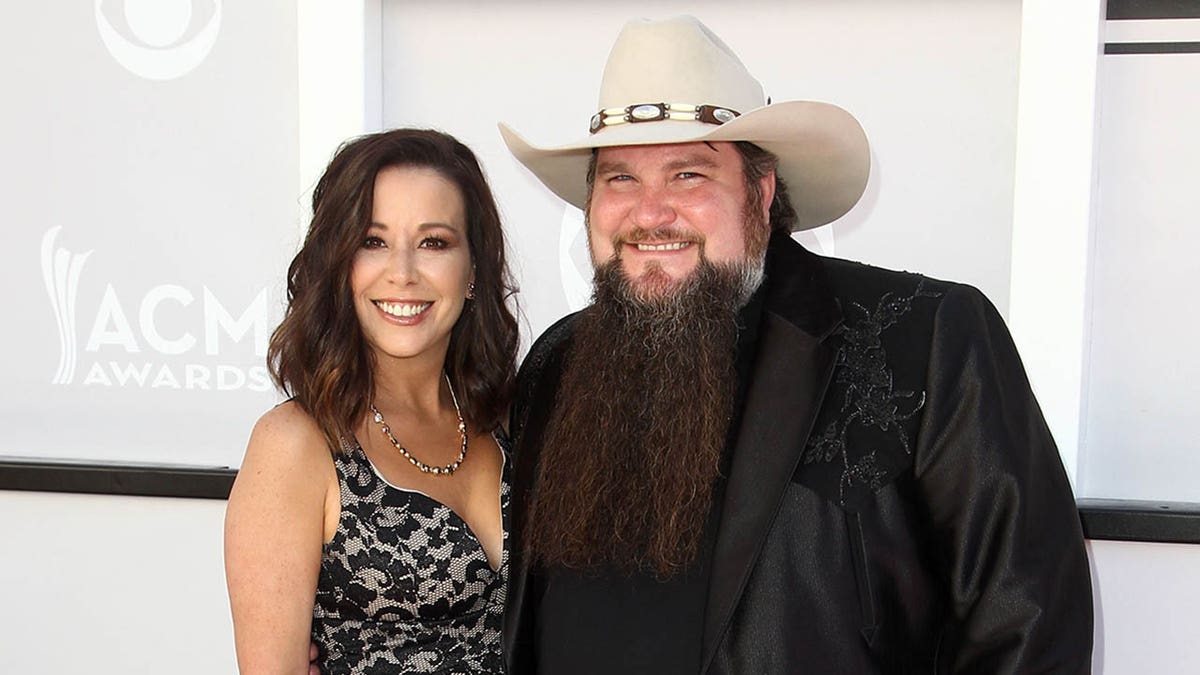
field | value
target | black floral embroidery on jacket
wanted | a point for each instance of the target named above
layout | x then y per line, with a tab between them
870	399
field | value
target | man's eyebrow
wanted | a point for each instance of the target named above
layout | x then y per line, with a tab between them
691	162
687	162
611	167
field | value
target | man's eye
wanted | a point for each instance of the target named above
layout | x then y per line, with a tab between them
434	242
373	242
620	178
685	175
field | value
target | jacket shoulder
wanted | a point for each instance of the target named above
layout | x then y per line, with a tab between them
552	341
924	303
548	348
891	324
852	281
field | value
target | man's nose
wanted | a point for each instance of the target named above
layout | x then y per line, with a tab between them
653	209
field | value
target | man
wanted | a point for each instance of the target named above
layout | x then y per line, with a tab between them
745	458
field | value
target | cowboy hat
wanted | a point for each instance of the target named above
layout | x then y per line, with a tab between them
674	81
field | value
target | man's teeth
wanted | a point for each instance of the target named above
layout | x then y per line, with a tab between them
403	308
663	247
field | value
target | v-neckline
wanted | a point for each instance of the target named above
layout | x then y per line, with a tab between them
437	502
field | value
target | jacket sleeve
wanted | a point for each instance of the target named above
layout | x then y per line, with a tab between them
1006	527
535	390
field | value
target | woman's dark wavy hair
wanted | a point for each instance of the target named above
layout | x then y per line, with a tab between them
318	354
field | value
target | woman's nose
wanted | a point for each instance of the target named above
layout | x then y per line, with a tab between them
402	267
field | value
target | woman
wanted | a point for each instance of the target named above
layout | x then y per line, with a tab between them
368	512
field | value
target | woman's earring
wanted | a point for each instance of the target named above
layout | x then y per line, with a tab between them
471	290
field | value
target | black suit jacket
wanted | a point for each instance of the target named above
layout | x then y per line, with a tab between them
895	502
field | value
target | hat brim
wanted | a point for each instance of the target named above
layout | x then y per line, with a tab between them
823	154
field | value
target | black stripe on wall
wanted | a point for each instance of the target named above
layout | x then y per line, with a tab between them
1154	9
138	480
1128	520
1112	519
1152	48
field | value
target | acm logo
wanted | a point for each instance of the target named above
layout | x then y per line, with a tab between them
152	357
158	39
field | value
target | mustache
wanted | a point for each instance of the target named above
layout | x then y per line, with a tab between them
656	235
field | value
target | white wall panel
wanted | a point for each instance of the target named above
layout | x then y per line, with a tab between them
1052	207
1145	597
120	585
1144	375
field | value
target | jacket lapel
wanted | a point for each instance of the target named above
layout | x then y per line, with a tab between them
792	371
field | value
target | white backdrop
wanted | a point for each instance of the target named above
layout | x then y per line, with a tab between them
150	191
153	200
933	84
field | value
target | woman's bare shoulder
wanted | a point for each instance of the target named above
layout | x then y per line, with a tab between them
288	428
287	441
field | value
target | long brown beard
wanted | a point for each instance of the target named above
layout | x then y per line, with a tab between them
633	448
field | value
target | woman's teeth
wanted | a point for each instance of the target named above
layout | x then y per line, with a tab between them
402	309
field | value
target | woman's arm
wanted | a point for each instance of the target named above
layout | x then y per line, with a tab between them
284	500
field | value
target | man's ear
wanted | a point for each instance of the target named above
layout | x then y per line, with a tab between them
766	185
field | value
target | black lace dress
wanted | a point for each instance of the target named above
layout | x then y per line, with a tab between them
405	587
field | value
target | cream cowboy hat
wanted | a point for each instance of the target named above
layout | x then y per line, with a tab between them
674	81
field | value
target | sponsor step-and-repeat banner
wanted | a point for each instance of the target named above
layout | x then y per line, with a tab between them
152	199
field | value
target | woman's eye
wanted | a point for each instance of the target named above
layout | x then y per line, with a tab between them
434	242
373	242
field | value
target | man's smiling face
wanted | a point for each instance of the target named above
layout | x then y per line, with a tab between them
660	209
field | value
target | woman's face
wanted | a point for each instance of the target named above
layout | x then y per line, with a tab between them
409	278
